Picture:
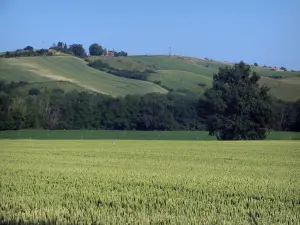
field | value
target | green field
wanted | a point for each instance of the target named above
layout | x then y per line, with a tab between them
74	70
126	135
181	80
149	182
123	63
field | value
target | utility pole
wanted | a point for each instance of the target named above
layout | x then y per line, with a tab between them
170	51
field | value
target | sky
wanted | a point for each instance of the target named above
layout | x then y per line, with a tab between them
262	31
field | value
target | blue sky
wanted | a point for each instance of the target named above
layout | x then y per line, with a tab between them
262	31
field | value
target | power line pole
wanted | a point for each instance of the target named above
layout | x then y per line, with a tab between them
170	51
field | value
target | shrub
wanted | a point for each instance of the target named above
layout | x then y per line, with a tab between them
149	71
34	91
158	82
275	77
201	84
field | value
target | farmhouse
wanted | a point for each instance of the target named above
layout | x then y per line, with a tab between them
109	53
276	69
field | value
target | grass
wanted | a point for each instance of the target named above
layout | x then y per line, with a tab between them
287	89
126	135
174	63
149	182
181	80
123	63
68	68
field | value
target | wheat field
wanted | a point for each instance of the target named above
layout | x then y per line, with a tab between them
149	182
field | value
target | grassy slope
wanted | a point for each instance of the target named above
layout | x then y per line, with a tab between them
74	70
174	63
149	182
177	73
287	88
124	63
180	80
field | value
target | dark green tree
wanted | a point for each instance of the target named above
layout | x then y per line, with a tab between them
255	64
28	48
96	49
59	45
77	50
236	106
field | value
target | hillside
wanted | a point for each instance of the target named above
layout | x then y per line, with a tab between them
175	73
181	73
72	70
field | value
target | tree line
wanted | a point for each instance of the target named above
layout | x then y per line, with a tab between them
56	109
132	74
235	107
73	49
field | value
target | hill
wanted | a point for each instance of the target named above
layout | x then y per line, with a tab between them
188	74
72	70
175	73
181	73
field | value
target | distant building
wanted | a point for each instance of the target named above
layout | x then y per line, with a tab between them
109	53
276	69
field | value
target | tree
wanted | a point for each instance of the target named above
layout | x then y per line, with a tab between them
77	50
236	106
283	68
255	64
28	48
96	49
121	53
59	45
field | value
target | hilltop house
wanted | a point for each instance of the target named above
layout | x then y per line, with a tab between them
276	69
109	53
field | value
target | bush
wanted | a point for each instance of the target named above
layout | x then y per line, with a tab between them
275	77
158	82
201	84
149	71
34	91
135	74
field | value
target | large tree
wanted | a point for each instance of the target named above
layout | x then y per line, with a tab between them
77	50
96	49
237	107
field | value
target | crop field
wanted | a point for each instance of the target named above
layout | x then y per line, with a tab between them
149	182
127	135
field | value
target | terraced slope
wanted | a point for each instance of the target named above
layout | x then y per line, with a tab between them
74	70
